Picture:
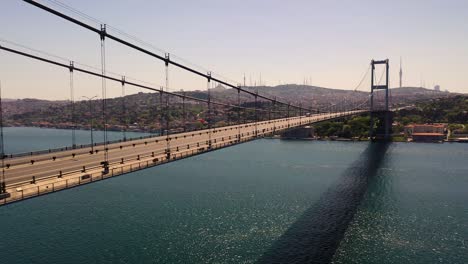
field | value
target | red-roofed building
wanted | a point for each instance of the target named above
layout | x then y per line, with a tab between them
425	132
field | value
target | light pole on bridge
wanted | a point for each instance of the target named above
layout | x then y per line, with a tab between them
90	99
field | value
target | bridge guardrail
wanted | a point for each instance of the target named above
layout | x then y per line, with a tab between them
93	175
117	141
149	154
81	146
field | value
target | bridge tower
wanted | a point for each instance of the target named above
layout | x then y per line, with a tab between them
380	119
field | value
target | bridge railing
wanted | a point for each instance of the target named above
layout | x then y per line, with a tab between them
81	146
77	178
25	190
294	121
96	144
129	141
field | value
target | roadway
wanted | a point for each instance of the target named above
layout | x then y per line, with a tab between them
21	170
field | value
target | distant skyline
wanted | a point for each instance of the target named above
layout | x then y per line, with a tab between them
327	43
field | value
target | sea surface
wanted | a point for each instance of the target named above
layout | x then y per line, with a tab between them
259	202
27	139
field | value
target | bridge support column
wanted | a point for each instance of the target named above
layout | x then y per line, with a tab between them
383	129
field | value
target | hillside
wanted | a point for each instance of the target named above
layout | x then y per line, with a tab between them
452	110
320	97
20	106
143	110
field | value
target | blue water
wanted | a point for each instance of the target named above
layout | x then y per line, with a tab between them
295	201
26	139
415	210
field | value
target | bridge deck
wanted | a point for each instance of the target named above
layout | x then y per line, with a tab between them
46	170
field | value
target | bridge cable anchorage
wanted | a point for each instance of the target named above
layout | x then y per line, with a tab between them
133	46
168	144
72	105
105	163
123	117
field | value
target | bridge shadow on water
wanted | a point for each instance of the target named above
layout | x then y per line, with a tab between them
316	235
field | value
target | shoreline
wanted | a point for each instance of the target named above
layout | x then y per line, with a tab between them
363	140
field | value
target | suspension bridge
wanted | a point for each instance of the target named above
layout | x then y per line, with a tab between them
33	174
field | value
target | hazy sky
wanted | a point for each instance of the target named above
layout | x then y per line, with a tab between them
329	42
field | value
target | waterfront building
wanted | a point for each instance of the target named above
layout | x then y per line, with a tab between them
425	132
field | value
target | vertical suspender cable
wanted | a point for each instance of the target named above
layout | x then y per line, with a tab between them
256	114
124	112
161	114
238	115
184	114
72	106
133	46
269	111
103	84
300	113
371	130
2	146
168	145
209	109
274	116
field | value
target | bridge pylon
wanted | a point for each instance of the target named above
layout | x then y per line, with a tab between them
380	130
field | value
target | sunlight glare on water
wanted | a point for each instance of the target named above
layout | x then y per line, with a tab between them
240	204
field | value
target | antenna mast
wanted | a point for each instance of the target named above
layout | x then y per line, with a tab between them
401	74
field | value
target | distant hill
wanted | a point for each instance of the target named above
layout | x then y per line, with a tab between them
452	110
320	97
143	109
411	94
20	106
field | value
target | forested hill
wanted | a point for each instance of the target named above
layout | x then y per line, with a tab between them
453	110
143	108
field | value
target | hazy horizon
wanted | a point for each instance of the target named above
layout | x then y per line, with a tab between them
261	87
325	43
